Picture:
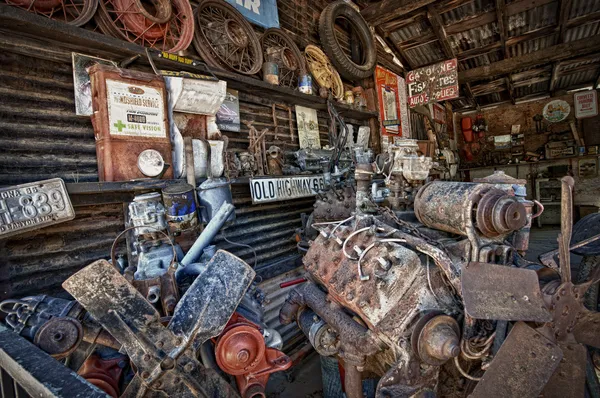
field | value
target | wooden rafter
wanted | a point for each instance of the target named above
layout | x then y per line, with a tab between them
438	28
478	51
549	54
554	77
388	10
501	17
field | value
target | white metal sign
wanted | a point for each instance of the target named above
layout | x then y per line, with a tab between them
586	104
135	110
308	127
34	205
275	189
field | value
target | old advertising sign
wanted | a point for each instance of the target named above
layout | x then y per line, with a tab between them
389	101
433	83
34	205
285	188
135	110
586	104
261	12
308	127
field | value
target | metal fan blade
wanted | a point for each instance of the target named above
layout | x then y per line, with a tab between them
116	305
500	292
522	366
208	304
568	380
587	329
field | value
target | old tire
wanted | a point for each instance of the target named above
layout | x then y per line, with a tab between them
345	66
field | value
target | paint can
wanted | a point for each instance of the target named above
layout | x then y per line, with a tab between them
180	207
305	84
271	72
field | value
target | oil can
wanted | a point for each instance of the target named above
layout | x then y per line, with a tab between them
130	118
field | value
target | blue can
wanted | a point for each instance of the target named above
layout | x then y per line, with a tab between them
305	84
180	205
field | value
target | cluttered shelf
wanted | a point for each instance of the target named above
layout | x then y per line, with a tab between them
73	38
495	166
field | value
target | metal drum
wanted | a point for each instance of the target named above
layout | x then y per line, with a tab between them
180	207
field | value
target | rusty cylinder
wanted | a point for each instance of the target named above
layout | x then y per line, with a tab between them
457	206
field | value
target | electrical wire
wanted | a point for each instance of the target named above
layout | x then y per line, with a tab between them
242	245
462	372
372	245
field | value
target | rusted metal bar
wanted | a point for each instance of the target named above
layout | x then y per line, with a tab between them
566	227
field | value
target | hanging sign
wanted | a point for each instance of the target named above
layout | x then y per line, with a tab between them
260	12
433	83
265	189
556	111
439	113
586	104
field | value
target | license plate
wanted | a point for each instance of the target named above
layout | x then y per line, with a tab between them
34	205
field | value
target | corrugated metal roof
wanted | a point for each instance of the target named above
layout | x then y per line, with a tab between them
419	28
573	79
482	60
529	46
522	91
583	7
582	31
426	54
468	10
474	38
532	19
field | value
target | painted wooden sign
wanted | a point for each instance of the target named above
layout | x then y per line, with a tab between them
433	83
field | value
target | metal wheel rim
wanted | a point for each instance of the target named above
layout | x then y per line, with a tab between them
290	61
163	7
123	19
214	38
73	12
323	72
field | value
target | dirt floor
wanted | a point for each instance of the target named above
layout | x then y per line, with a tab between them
305	381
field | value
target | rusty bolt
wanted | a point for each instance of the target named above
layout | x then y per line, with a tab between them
178	341
363	304
358	250
189	367
176	380
145	374
563	292
350	296
158	384
160	344
146	357
243	356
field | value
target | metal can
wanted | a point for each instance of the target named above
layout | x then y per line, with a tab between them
180	207
305	84
212	193
271	72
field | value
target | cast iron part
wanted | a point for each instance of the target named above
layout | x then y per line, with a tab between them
241	351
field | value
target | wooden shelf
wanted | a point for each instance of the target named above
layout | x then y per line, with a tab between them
528	163
72	38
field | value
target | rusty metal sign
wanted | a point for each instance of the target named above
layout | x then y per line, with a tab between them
285	188
505	293
34	205
522	367
433	83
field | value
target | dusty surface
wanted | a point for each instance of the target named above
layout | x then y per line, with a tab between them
306	381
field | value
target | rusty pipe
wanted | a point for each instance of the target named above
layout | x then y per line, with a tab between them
353	336
352	381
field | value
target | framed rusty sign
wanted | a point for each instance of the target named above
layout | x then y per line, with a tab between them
433	83
275	189
34	205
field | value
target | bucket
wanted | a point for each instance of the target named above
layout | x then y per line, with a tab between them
180	207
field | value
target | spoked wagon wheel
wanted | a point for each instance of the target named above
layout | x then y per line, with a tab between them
224	39
167	25
324	73
73	12
279	46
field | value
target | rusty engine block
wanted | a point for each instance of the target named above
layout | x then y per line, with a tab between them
401	300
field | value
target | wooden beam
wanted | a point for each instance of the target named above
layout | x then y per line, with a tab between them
511	90
438	28
417	42
563	16
400	23
584	19
478	51
397	50
550	54
580	68
523	5
451	5
388	10
531	73
501	17
529	82
469	94
534	34
472	22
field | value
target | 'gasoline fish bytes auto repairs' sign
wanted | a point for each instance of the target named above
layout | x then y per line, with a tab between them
285	188
433	83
